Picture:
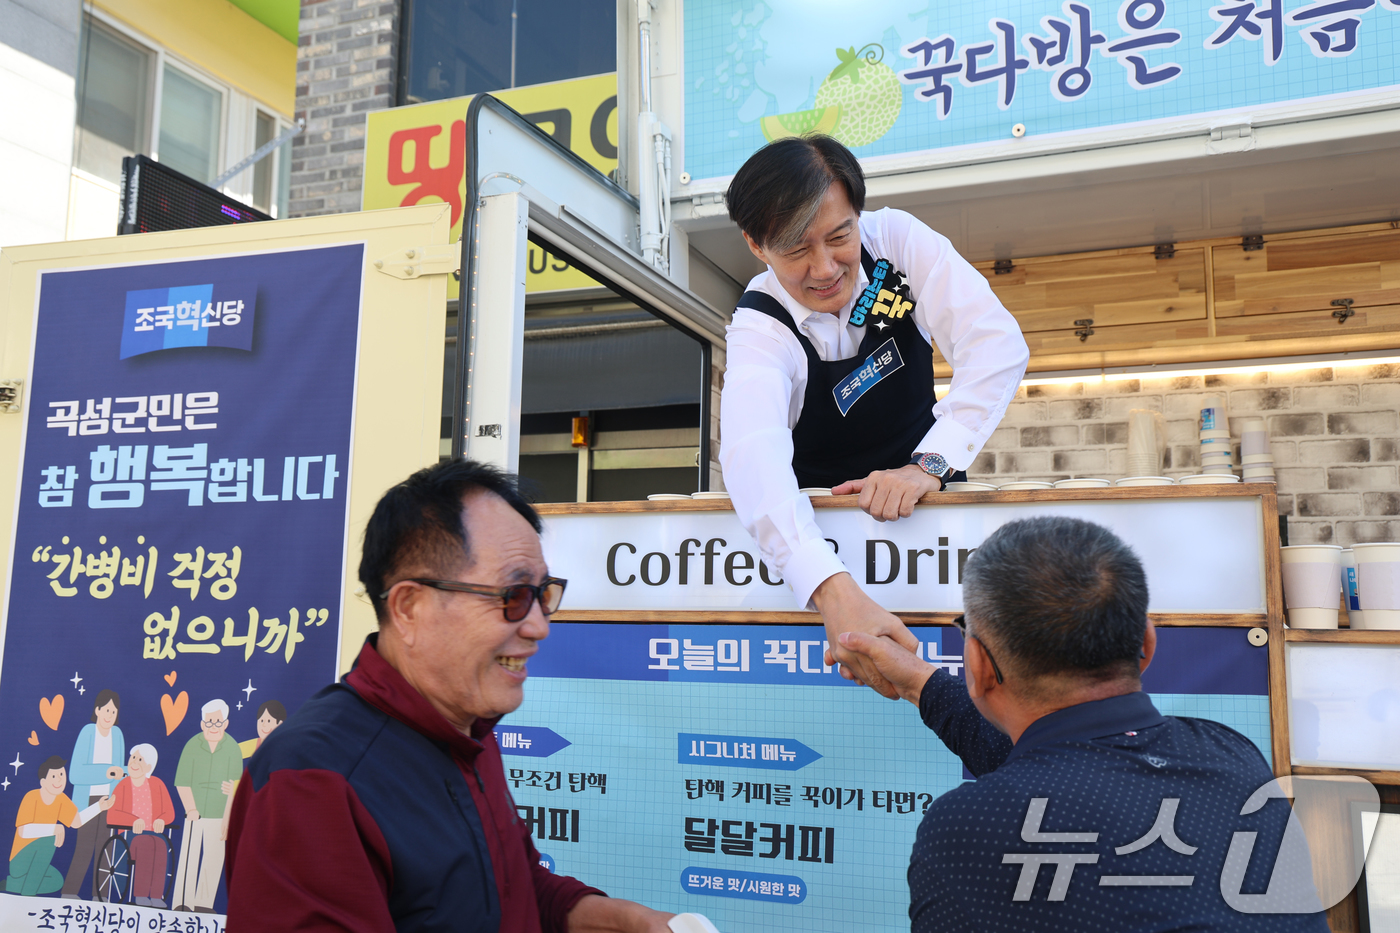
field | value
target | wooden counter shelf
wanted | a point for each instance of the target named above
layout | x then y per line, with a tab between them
913	619
1268	491
1375	776
1341	636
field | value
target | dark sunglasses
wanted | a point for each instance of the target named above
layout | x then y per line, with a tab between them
961	623
515	600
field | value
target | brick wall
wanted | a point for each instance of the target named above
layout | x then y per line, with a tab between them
1335	435
345	69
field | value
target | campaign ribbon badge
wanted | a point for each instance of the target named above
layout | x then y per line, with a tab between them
213	315
877	366
866	303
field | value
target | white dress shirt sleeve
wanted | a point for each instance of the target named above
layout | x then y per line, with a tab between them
958	311
764	379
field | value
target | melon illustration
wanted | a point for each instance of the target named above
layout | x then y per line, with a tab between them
867	92
801	122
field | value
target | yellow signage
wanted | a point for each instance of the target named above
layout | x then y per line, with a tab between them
417	154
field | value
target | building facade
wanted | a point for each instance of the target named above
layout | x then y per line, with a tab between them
195	85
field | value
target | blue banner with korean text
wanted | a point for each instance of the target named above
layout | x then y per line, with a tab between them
176	583
726	769
888	77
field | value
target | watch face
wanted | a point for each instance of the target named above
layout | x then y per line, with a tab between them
934	465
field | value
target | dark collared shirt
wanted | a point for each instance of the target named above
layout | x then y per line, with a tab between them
1030	844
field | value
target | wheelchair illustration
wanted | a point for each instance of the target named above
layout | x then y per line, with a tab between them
113	869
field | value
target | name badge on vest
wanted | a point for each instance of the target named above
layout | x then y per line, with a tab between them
878	365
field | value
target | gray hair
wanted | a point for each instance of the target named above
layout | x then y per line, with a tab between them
212	705
1058	595
778	191
149	753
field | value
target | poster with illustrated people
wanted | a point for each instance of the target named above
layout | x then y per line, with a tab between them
176	570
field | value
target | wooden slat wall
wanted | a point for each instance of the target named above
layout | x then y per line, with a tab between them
1274	301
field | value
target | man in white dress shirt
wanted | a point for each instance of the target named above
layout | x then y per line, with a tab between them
829	379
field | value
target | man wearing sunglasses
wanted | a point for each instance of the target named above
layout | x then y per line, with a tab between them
381	804
1091	810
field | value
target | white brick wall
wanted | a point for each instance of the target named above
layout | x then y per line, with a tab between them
1335	435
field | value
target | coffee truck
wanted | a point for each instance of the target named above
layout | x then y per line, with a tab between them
1156	215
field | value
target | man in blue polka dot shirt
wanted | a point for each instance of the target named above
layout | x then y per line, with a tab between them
1091	810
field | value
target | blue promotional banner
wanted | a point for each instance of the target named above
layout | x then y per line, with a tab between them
176	582
723	769
891	77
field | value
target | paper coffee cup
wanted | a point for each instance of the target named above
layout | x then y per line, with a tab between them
1213	414
1356	616
1378	583
1311	584
970	487
1206	479
1145	481
1215	434
1247	459
1254	437
1083	482
1025	484
1314	618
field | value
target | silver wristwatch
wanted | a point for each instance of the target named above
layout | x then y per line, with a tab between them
933	465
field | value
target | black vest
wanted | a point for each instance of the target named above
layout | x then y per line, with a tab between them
868	412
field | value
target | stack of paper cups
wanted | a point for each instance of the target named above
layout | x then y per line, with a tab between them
1378	583
1147	442
1215	436
1215	450
1351	596
1255	454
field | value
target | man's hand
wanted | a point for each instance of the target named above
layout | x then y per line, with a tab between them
106	802
191	814
903	670
595	914
228	787
58	836
845	608
889	495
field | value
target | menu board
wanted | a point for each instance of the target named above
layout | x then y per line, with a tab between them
724	770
